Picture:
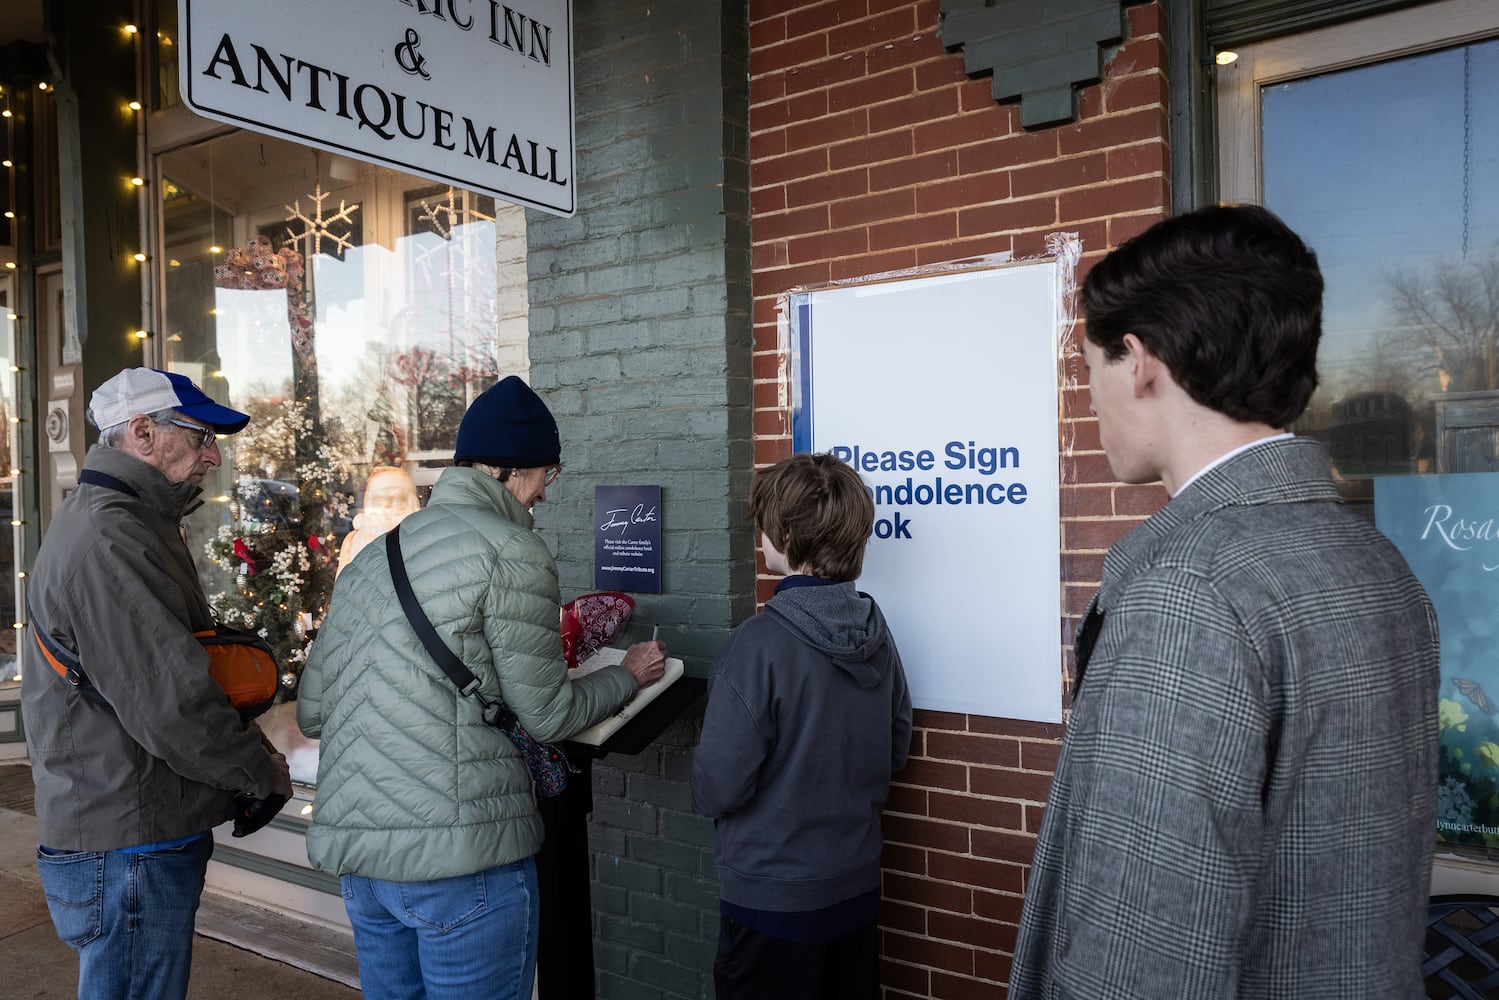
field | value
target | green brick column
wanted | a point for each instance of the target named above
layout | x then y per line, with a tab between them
640	343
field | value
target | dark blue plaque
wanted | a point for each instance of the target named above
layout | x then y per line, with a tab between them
627	539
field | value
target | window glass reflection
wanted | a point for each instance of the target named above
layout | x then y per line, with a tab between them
354	312
1391	173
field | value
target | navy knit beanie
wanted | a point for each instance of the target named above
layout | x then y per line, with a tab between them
509	427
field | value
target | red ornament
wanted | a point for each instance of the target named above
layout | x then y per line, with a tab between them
242	552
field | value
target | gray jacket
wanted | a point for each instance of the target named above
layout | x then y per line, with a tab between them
1245	801
808	717
413	784
114	582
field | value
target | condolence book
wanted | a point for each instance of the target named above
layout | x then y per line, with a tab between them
596	734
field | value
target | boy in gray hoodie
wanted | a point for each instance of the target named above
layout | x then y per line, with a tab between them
808	717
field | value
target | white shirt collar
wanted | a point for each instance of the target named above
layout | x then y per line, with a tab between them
1241	449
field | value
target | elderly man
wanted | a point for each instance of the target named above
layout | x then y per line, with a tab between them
1245	801
136	765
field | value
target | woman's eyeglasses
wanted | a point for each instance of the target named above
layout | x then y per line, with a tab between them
548	478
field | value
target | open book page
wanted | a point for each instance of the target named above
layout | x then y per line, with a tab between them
596	734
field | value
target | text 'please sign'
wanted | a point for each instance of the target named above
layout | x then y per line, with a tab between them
472	93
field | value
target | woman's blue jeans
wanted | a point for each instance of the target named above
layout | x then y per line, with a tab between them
472	936
129	916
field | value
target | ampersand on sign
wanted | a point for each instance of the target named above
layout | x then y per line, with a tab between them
409	59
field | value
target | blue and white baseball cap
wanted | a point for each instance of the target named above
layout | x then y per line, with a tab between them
147	390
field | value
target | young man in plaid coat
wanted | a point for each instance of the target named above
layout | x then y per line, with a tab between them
1245	802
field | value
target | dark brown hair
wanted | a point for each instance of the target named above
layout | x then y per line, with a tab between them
817	512
1228	297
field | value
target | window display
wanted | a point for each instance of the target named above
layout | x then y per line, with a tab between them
354	312
10	541
389	495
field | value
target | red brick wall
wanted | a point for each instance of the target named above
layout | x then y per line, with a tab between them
872	151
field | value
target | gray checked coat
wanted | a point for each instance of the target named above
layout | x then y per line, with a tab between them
1245	802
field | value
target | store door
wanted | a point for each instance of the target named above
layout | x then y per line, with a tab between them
60	389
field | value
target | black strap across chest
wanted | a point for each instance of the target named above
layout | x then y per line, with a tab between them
96	478
495	712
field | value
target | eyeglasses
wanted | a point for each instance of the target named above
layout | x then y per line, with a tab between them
206	435
547	479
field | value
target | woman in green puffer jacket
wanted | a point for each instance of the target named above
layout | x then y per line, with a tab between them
426	812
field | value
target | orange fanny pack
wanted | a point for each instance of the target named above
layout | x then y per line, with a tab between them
244	666
241	662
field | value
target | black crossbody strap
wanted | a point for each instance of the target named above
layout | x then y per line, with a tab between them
98	478
448	660
1087	638
548	765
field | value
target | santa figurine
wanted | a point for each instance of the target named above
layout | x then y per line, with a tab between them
389	495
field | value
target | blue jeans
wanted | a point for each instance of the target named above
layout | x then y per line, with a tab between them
471	936
129	916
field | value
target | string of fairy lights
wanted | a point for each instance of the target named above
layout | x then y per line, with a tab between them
129	34
315	225
12	326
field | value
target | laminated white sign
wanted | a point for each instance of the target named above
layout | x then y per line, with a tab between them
472	93
942	393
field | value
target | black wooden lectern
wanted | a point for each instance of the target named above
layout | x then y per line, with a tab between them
565	951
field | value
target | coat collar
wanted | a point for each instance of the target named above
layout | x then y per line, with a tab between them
460	485
173	500
1292	470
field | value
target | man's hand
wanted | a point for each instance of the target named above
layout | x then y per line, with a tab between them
646	661
283	776
250	814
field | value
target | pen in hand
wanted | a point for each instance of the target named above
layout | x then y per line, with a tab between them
646	660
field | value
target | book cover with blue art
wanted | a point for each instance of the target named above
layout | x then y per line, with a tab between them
1447	527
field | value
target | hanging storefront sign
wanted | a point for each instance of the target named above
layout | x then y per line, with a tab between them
471	93
627	538
1447	527
942	392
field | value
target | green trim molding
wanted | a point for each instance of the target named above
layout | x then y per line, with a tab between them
1239	22
1196	30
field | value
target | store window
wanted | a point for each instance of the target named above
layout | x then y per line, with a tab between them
11	534
354	311
1378	142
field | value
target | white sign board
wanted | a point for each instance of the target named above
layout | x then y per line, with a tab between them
471	93
942	393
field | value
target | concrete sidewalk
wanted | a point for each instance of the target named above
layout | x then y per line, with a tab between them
34	963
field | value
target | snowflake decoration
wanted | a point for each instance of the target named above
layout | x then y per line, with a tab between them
338	227
443	215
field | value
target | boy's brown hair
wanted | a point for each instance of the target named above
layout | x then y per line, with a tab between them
817	512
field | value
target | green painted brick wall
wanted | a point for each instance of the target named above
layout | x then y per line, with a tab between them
640	342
